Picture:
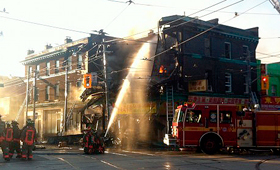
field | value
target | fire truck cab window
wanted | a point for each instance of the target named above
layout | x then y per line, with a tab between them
175	117
193	116
225	116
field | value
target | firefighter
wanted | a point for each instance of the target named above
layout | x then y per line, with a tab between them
15	144
8	138
2	133
28	137
87	140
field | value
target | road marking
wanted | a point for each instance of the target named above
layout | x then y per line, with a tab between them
118	154
139	153
107	163
63	160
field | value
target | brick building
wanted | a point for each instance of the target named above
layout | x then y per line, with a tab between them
50	67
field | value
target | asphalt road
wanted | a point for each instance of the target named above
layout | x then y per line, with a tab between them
73	158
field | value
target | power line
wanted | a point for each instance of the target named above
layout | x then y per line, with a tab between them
129	2
116	17
45	25
203	32
125	38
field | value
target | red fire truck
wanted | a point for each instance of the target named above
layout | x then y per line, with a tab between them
215	126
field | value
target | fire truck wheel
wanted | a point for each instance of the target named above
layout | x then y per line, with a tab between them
210	145
276	151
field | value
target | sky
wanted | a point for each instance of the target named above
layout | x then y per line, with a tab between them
77	19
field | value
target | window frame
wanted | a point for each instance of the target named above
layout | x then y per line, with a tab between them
57	66
47	93
228	51
228	84
48	68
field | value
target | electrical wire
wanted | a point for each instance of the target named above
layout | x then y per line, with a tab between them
203	32
45	25
126	38
116	17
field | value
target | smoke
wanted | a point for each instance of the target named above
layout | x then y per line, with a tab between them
129	117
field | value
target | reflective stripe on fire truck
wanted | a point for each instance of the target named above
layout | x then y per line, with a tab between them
268	128
203	129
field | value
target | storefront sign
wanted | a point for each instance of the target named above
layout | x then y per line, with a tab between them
270	103
217	100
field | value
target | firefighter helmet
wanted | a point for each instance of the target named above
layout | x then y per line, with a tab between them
14	122
8	124
28	121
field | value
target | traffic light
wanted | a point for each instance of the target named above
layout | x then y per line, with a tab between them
87	81
265	82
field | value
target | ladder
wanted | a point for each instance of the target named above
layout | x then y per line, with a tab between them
70	114
254	98
169	107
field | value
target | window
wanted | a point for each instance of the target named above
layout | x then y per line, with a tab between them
69	63
30	70
207	45
79	83
79	61
47	96
213	116
56	66
225	116
273	90
38	69
193	116
227	50
48	67
228	82
56	91
245	51
209	77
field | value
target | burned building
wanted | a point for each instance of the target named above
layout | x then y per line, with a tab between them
204	62
55	83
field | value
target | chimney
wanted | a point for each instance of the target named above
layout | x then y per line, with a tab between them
30	52
67	40
48	46
151	33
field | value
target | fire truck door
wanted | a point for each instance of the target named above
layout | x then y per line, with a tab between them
226	125
278	131
193	127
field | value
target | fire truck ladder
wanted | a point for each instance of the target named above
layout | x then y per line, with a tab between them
254	98
22	105
169	107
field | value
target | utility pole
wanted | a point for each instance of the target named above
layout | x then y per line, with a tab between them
105	77
65	93
249	78
27	93
34	93
105	73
